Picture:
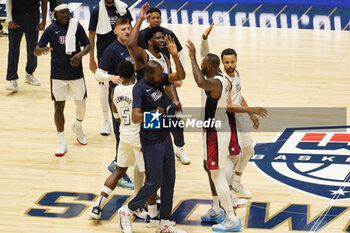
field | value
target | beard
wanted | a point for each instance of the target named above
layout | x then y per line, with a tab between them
157	49
205	71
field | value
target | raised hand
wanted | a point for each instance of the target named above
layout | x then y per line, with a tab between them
207	31
143	12
191	50
171	45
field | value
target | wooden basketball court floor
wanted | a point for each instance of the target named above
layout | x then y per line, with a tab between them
279	68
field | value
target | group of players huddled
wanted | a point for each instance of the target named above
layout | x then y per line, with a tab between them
134	72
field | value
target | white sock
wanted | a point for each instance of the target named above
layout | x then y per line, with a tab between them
61	137
216	203
152	210
106	115
77	123
164	222
101	199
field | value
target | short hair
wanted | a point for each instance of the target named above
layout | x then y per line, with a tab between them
126	69
154	10
151	66
213	59
121	21
228	52
150	33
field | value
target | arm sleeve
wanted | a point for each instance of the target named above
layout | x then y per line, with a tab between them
204	48
101	75
93	19
136	97
9	10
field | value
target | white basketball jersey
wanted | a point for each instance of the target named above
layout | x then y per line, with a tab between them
235	93
216	108
122	99
160	60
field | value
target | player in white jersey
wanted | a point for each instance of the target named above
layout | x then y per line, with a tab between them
216	139
243	145
129	153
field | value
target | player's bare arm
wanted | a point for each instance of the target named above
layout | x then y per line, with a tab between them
212	85
137	115
137	53
92	64
42	24
41	51
253	118
180	72
76	59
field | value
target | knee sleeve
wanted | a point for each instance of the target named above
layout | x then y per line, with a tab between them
80	109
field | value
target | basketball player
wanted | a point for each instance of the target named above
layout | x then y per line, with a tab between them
23	17
244	143
154	37
154	19
102	19
108	71
129	148
67	76
216	140
148	95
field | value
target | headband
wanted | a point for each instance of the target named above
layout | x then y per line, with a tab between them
61	7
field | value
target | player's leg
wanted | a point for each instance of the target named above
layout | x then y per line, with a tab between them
125	181
215	213
232	222
153	159
59	92
167	189
31	35
15	37
229	171
77	90
106	127
237	186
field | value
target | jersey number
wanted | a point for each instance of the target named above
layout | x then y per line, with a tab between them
125	116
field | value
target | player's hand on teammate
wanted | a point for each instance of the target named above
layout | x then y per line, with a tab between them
13	25
178	83
93	66
143	12
207	31
41	26
178	105
258	111
171	45
255	121
116	79
76	59
191	50
159	109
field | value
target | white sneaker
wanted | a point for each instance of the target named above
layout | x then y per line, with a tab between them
141	213
81	138
30	79
181	154
241	191
239	202
61	150
169	229
12	86
106	128
228	225
125	219
96	212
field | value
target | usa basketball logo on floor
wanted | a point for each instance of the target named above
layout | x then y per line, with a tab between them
315	160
